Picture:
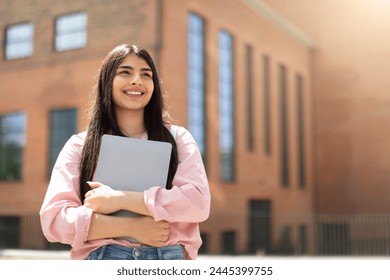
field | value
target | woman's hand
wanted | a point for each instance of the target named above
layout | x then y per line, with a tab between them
102	198
151	233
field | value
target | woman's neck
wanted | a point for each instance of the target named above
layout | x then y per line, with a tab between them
131	123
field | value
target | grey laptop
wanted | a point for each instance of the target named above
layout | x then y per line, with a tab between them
132	164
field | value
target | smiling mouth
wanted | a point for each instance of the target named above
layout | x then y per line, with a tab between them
134	93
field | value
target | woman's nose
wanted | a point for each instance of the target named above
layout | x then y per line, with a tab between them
136	80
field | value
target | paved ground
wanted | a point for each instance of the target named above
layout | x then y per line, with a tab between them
15	254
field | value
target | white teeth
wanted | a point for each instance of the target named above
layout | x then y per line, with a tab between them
133	93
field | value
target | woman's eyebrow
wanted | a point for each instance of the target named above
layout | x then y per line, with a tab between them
132	68
126	67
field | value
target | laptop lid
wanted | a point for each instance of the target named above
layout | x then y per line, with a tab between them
132	164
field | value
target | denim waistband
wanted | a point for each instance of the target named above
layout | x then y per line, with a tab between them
118	252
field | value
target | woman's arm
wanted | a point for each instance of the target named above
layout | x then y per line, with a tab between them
142	228
103	199
65	219
187	201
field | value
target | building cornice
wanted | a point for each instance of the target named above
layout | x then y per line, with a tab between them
280	22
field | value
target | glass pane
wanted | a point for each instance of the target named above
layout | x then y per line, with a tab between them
71	32
19	41
63	125
196	92
12	142
226	106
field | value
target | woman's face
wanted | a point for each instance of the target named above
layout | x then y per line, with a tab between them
133	86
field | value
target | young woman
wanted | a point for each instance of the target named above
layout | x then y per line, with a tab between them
127	101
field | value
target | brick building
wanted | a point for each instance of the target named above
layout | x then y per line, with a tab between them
351	116
237	74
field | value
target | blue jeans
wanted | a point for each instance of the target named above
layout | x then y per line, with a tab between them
117	252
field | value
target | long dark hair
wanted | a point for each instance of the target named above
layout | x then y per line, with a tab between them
103	118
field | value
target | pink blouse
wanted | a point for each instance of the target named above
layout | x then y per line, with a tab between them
65	219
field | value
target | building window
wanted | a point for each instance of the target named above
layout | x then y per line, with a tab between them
9	232
300	132
71	32
12	142
196	81
302	239
19	41
249	97
226	107
285	245
267	105
204	249
229	242
63	125
260	221
284	133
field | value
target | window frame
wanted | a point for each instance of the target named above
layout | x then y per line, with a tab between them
73	33
15	147
226	84
9	47
197	90
54	150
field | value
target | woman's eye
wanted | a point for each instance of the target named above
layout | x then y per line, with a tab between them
148	75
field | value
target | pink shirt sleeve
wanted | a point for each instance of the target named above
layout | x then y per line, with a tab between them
63	217
189	198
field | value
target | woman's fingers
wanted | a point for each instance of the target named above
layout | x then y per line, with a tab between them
93	184
153	233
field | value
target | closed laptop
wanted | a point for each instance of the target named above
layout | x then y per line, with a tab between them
132	164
